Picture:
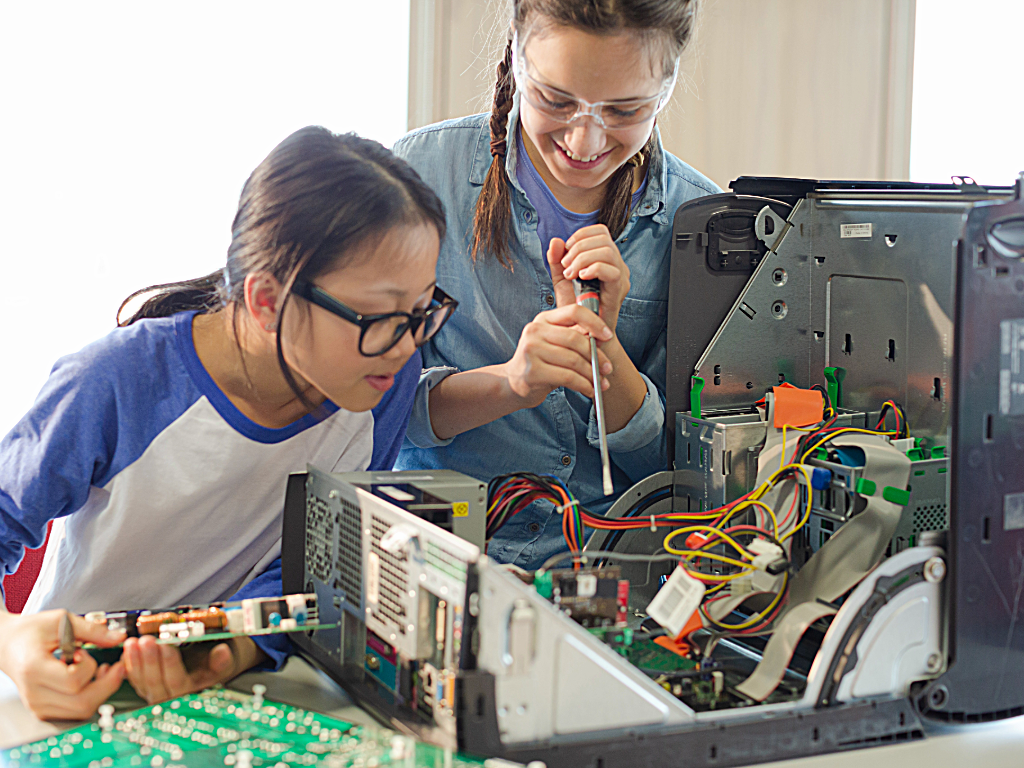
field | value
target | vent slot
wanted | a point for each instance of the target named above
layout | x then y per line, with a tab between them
394	578
319	539
350	551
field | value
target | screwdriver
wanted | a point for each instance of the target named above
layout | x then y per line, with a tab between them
588	294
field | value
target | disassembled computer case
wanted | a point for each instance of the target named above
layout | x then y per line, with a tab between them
444	643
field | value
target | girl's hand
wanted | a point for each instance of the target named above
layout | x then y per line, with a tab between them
157	672
554	351
590	254
48	687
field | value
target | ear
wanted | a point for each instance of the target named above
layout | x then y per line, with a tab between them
263	297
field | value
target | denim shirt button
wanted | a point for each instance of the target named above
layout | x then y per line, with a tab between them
534	527
549	300
528	216
566	460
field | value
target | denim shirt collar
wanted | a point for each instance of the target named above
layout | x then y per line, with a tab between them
651	204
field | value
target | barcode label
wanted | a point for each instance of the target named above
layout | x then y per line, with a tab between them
676	601
854	230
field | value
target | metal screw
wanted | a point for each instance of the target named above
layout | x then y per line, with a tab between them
934	662
779	277
779	310
935	570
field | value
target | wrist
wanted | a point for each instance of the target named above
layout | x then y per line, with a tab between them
512	399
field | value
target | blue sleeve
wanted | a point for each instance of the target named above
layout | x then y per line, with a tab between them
94	416
268	584
53	456
390	419
391	416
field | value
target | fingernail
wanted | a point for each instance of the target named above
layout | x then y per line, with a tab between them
606	368
606	333
605	384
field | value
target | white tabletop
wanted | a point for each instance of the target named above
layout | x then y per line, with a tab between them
995	745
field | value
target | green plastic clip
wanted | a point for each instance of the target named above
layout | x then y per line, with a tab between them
834	376
938	451
865	487
821	454
542	583
696	387
896	495
917	454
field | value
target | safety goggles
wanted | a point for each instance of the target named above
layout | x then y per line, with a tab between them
566	108
379	333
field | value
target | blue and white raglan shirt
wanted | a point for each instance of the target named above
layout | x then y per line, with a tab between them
160	490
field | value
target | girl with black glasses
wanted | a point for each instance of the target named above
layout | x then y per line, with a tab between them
161	451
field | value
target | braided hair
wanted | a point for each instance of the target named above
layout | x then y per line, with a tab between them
667	24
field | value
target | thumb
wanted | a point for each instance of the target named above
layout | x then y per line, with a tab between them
94	632
221	658
103	687
556	252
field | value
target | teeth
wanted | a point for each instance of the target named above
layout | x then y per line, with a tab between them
576	157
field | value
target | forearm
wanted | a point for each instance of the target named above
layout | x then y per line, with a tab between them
464	401
626	394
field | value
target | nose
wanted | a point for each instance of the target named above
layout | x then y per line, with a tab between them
584	136
404	349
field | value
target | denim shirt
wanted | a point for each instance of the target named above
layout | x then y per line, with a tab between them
559	437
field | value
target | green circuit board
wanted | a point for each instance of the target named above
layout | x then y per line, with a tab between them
222	728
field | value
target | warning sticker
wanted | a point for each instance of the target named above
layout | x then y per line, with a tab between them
854	230
1011	378
676	601
460	509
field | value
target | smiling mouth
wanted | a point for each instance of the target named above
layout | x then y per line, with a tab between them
578	158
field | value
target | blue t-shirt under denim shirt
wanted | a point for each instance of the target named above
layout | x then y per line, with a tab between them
559	436
553	218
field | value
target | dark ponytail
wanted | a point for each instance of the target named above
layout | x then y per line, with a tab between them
663	25
306	209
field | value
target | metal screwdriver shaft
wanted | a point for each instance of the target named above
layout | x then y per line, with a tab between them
588	294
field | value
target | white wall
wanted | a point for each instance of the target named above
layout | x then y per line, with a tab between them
968	100
128	130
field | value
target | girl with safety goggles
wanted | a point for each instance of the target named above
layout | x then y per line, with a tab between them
565	179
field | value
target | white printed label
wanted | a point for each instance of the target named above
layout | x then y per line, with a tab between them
854	230
586	585
396	493
373	578
676	601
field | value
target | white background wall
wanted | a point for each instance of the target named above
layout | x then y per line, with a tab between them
128	130
968	95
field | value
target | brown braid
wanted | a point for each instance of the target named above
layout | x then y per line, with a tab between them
492	222
618	196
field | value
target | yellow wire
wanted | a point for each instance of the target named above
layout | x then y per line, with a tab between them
843	431
807	515
692	528
757	617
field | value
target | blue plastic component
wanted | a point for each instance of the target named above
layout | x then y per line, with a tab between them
300	617
850	455
274	619
820	479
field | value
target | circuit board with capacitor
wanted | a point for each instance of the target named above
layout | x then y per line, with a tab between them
219	727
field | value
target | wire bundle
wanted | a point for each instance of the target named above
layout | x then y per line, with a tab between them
508	495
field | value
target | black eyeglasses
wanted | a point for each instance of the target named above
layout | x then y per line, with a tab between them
379	333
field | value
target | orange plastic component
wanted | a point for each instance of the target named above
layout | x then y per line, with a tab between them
678	643
796	407
696	540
